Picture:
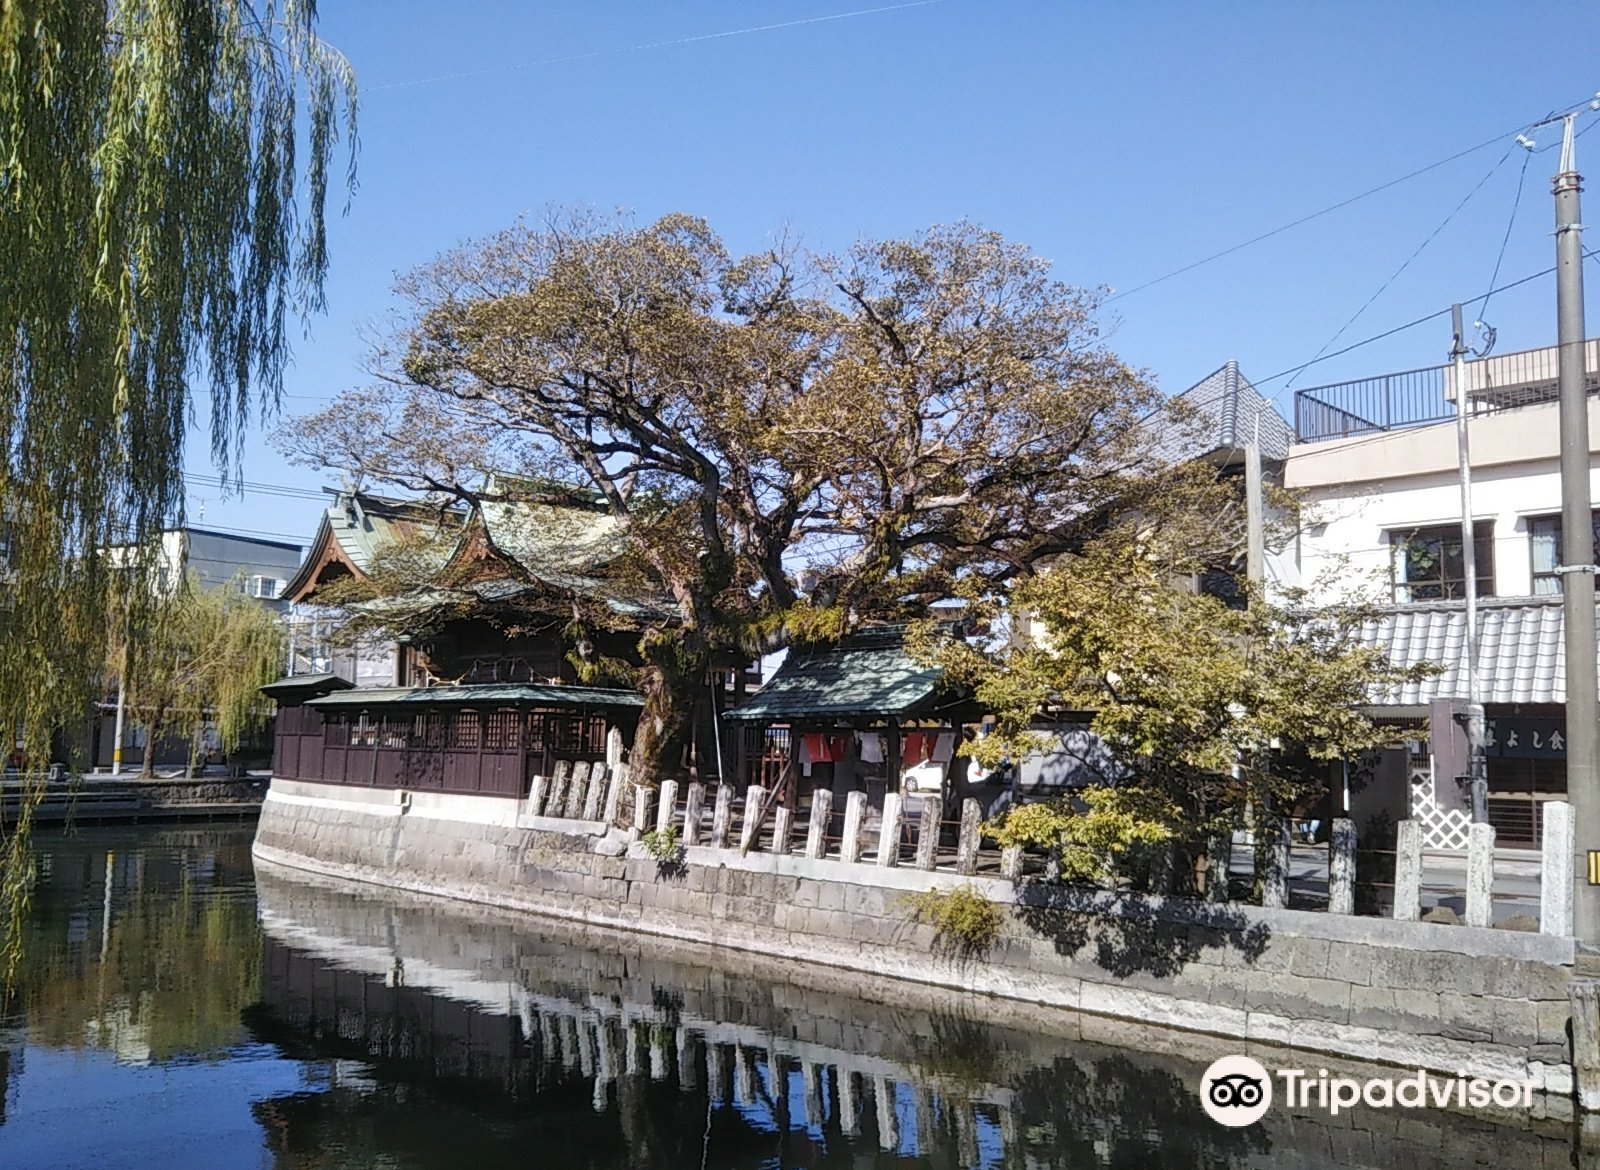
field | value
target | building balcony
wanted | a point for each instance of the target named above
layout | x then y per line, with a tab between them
1415	398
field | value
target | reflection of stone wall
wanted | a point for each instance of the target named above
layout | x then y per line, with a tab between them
1409	994
533	1007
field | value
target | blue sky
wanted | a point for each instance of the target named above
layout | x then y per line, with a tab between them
1121	140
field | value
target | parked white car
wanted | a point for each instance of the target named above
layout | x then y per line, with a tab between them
930	775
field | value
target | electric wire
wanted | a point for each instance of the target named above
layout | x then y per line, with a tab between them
590	55
1406	263
1516	203
1343	203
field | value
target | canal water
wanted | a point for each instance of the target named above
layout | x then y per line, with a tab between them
176	1008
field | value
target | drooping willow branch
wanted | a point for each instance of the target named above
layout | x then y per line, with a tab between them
164	171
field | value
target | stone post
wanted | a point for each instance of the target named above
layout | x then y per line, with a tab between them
782	830
536	790
855	811
613	748
594	797
722	817
1408	870
754	797
971	831
1584	996
889	835
580	782
1275	882
1011	862
667	807
1480	875
1342	867
692	806
817	831
642	799
558	788
928	834
1555	874
658	1055
619	777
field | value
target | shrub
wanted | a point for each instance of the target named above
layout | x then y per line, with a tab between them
1093	832
666	849
966	925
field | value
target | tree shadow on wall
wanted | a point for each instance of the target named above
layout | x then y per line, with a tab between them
1128	934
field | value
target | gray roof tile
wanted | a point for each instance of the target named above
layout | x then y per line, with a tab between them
1521	650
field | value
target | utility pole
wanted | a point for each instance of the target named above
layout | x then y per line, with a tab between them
1254	507
1477	765
1577	544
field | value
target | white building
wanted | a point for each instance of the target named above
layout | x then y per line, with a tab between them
1376	463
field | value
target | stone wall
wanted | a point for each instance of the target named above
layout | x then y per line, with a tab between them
1414	995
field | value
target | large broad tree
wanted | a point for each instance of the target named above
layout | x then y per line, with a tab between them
164	166
791	441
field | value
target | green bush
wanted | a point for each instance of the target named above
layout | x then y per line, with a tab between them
662	844
966	925
1093	833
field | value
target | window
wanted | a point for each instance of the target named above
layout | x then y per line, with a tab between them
1427	562
1544	542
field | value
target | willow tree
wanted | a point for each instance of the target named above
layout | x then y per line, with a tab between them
164	166
194	668
791	442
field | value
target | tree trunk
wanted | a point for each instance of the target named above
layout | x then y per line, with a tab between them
670	682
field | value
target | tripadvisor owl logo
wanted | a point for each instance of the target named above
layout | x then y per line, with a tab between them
1235	1091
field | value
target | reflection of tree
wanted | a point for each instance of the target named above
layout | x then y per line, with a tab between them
1107	1109
171	972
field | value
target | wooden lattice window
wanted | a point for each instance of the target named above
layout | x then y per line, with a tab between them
466	731
500	731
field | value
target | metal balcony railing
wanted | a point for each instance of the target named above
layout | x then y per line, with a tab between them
1414	398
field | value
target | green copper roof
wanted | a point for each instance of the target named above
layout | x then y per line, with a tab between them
491	694
869	673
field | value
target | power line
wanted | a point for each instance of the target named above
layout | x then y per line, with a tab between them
1406	263
1258	382
1329	210
716	36
1516	203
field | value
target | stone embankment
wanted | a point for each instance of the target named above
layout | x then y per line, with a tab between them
1407	994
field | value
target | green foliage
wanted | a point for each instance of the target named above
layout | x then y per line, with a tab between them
1208	706
966	925
662	844
164	166
1091	833
906	419
200	659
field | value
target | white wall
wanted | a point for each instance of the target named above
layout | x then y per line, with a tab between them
1348	525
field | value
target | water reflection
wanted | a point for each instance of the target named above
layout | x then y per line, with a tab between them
475	1038
160	1021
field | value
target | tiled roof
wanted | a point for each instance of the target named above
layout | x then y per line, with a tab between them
1227	406
507	694
868	673
1520	652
